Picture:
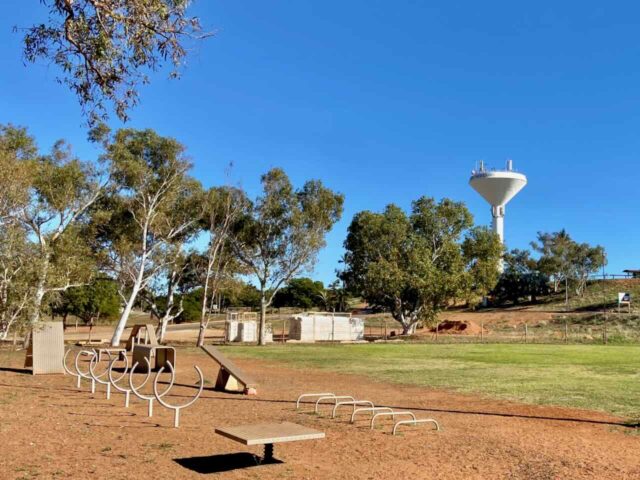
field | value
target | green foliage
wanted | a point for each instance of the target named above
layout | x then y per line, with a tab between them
567	261
301	293
280	234
49	199
17	150
336	298
480	249
17	276
106	49
97	300
239	294
191	303
152	212
520	278
415	265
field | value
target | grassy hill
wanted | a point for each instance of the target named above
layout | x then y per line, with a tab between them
599	295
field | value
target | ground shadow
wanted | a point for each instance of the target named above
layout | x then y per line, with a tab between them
222	463
24	371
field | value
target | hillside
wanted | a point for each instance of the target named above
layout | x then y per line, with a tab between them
599	294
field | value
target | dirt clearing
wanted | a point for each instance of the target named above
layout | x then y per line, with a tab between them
51	430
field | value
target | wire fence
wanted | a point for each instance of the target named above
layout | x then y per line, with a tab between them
615	329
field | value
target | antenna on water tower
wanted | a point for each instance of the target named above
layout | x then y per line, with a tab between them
497	187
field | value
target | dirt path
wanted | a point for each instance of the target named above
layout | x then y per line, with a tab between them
50	430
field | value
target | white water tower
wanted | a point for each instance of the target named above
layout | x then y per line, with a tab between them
497	187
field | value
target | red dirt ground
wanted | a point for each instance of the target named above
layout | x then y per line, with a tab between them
48	429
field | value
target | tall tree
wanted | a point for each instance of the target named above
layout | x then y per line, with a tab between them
414	265
151	210
301	293
480	249
554	255
222	208
568	261
280	234
585	261
60	188
521	278
16	276
106	48
187	208
17	151
98	299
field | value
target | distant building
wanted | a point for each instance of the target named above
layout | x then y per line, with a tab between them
632	273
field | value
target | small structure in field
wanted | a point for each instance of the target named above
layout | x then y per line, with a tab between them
241	327
325	327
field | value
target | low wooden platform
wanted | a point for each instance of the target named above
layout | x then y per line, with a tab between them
269	433
163	354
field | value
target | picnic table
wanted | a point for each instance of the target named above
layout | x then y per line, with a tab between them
268	434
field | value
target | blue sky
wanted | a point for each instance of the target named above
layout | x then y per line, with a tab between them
388	101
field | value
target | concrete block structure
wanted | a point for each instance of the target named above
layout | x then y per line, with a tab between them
327	327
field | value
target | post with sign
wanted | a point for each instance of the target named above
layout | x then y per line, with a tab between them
624	298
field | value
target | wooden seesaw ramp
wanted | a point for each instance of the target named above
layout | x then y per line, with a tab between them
231	378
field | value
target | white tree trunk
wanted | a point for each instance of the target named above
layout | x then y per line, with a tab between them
122	323
163	327
263	321
204	319
36	305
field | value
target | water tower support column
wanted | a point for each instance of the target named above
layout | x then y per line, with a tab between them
497	213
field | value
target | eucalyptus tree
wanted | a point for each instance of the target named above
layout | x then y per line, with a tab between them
58	190
187	208
148	218
554	255
481	248
105	49
17	151
16	276
415	265
585	261
98	299
568	261
280	234
222	208
521	278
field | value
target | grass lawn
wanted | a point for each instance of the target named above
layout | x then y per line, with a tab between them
595	377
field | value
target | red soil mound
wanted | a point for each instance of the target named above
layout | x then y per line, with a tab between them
460	327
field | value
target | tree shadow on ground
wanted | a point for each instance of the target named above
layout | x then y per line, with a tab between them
222	463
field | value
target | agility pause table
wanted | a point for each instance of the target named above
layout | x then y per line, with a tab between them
268	434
